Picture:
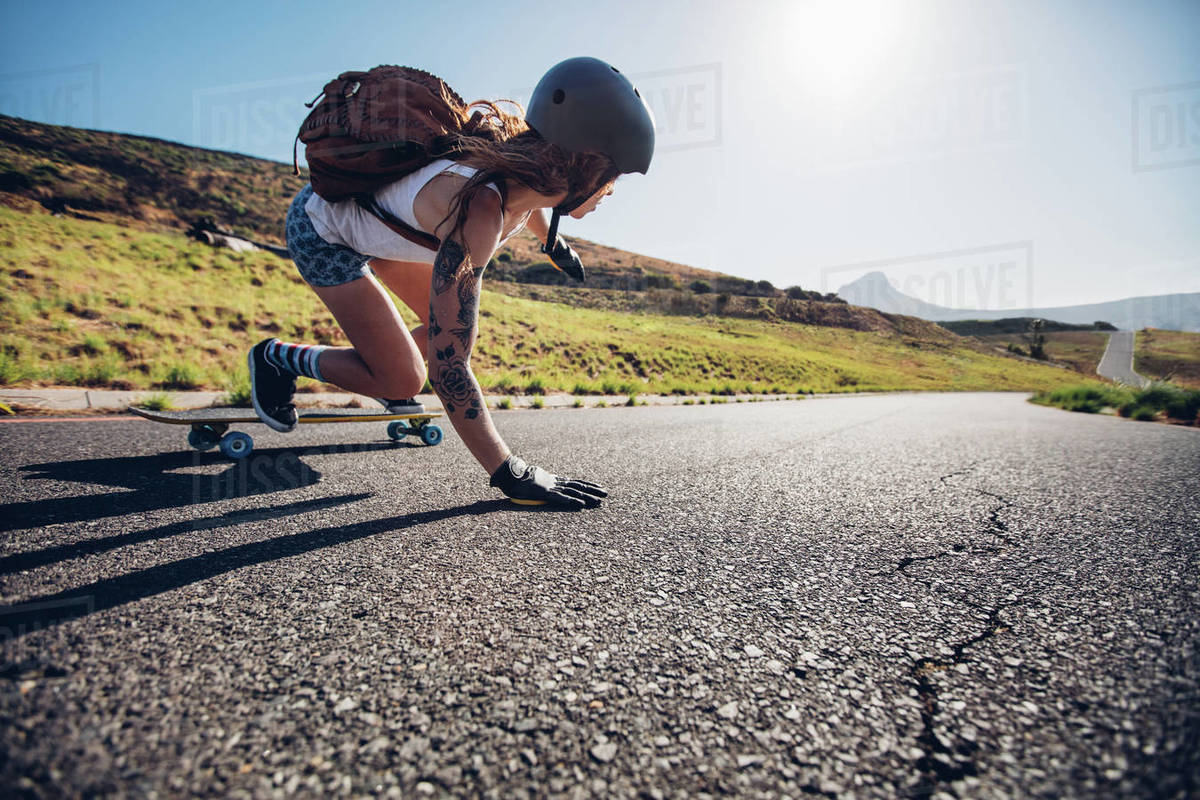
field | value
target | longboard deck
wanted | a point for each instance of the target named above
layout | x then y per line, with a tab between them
231	416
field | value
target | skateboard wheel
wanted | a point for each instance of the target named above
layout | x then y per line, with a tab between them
397	429
236	445
203	438
431	435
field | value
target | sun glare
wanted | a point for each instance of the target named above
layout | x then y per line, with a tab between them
844	43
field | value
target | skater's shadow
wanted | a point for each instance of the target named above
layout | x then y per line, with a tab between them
42	612
89	547
167	480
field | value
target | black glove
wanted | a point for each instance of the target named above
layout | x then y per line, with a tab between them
531	485
566	259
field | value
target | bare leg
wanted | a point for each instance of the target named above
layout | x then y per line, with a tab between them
384	361
410	280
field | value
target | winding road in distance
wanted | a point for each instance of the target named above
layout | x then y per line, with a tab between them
1117	363
874	596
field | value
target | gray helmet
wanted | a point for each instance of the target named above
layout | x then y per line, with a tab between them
584	104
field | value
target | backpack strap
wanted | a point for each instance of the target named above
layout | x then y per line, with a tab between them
371	206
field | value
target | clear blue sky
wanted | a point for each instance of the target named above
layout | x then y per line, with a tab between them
984	153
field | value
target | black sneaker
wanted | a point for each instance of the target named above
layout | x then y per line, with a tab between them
408	405
271	389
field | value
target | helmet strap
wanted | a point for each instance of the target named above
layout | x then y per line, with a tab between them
572	202
552	234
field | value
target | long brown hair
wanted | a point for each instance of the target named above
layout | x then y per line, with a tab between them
502	146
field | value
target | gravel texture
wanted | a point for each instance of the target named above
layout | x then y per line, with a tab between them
923	595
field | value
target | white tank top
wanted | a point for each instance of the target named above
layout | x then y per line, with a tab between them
346	223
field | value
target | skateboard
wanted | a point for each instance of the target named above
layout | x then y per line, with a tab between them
210	426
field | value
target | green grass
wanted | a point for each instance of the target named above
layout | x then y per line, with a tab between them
1172	401
503	384
89	304
1090	398
96	304
238	391
1142	413
594	351
181	376
159	401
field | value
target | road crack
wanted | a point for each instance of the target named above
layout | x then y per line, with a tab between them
996	526
999	528
967	470
939	762
943	760
908	561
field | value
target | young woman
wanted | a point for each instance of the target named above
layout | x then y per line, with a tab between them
586	124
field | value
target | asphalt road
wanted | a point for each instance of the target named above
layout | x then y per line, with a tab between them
862	597
1117	362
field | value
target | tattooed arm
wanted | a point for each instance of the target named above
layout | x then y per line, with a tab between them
453	313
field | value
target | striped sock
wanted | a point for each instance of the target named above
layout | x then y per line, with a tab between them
298	359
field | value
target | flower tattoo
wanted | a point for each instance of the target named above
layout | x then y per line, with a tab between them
453	377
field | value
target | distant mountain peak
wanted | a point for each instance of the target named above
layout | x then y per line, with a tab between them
1180	312
874	279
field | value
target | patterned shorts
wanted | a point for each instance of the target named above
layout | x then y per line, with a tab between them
320	263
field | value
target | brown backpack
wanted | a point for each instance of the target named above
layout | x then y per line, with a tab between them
372	128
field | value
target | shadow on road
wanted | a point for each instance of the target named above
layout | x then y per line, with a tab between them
65	552
49	610
150	483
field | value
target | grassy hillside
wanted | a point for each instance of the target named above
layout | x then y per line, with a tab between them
156	185
1159	355
1079	350
772	309
89	303
1162	354
1079	347
149	183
